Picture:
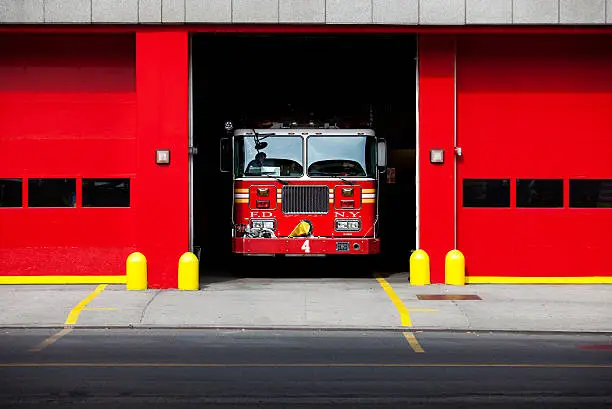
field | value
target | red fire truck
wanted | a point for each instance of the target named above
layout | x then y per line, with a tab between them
305	189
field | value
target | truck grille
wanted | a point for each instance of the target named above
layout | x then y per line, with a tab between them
305	199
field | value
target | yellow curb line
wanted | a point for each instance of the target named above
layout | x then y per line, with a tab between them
538	280
18	280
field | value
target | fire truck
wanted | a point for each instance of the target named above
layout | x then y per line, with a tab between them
304	189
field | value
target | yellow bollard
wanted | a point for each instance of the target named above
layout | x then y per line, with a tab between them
419	268
454	267
188	272
136	271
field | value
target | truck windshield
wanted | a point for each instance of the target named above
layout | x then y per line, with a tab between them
282	156
341	156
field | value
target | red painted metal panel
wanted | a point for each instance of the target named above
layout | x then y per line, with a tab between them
162	194
67	63
535	107
84	241
436	131
296	246
323	224
67	109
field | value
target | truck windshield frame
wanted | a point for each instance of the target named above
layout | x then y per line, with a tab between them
341	156
283	157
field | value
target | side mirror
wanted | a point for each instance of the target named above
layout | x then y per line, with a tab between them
225	154
382	155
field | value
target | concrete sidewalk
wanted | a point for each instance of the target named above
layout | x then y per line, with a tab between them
351	303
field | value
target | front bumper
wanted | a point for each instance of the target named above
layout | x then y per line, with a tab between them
306	246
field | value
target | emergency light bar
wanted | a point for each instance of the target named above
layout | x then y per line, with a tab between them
295	124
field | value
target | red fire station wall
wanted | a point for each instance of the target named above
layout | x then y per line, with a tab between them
162	193
67	110
534	182
534	124
436	130
76	107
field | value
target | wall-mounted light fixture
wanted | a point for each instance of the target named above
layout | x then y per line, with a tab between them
162	156
436	156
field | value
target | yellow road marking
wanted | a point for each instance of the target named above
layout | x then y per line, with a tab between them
414	344
295	365
99	309
403	311
73	317
51	340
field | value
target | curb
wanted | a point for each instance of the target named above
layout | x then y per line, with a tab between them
310	329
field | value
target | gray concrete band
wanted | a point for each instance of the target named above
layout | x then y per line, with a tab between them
402	12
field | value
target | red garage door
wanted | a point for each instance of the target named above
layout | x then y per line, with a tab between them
67	139
535	180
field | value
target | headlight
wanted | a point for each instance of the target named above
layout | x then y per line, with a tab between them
348	225
262	224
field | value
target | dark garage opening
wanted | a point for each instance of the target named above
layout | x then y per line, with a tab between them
250	77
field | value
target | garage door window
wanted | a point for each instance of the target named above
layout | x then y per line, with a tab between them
539	193
52	192
486	193
10	193
591	193
106	192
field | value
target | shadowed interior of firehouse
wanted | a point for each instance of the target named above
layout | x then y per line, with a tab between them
352	78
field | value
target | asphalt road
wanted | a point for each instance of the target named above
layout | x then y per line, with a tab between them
286	369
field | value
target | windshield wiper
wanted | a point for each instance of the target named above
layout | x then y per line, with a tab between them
348	182
283	182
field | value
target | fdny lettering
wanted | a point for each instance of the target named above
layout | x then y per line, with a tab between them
344	214
261	214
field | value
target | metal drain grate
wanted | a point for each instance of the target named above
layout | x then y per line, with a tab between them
448	297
